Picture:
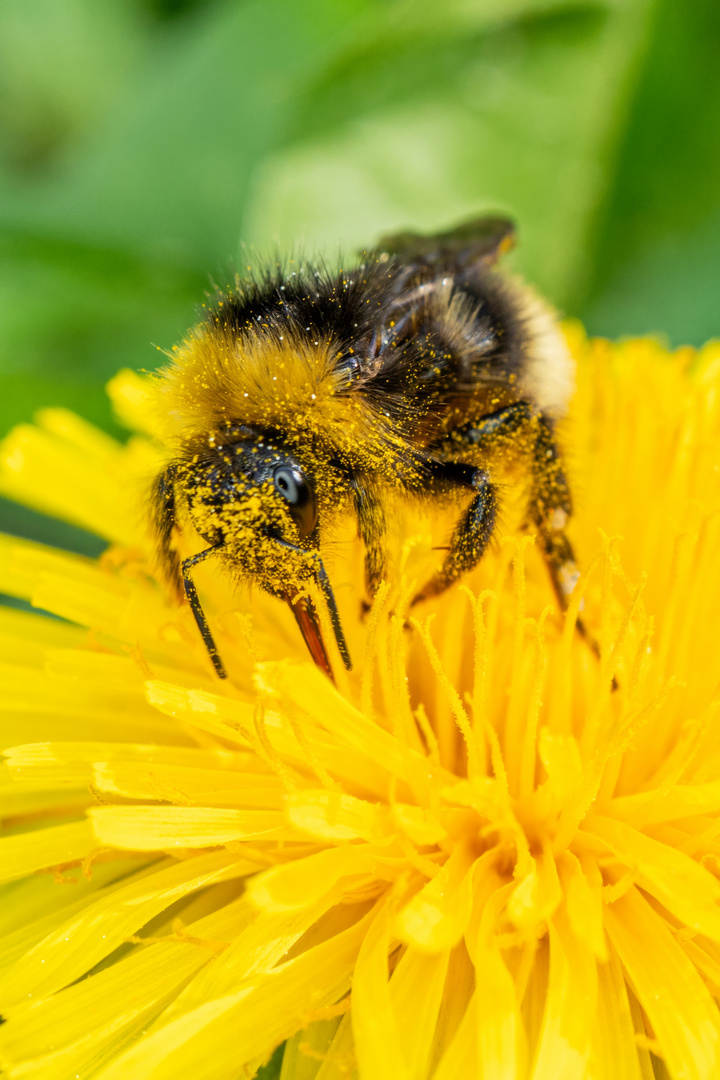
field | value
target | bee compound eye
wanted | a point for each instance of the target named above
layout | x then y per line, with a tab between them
294	488
291	484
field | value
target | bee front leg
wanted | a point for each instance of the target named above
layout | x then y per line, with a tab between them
372	529
194	602
473	531
164	520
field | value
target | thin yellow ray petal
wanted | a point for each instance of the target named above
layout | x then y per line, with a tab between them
24	802
377	1035
700	952
30	851
682	801
214	1041
687	889
233	720
305	1053
560	755
537	895
419	824
302	882
268	940
683	1015
54	1036
236	720
24	562
161	828
499	1045
460	1057
69	764
32	908
26	636
89	594
40	708
331	815
614	1054
120	671
105	604
584	904
564	1044
189	786
83	940
305	688
132	399
416	991
459	988
436	917
69	471
340	1061
67	1031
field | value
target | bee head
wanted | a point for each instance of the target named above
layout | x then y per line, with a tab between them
257	503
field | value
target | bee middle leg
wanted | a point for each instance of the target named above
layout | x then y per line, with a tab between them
194	602
473	531
549	504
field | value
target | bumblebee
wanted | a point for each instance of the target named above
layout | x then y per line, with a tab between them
308	393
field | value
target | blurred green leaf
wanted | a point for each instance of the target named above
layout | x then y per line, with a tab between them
107	252
141	140
657	254
19	520
166	173
271	1071
21	395
69	309
433	119
62	65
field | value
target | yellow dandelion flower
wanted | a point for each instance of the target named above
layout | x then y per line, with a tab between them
487	853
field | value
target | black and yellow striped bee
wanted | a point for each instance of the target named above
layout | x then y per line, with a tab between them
306	394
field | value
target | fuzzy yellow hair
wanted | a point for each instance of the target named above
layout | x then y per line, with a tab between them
292	385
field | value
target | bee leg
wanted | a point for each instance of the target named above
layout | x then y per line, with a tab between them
473	531
475	528
487	431
164	519
549	510
192	597
372	529
550	503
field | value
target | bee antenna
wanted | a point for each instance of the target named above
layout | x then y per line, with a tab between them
326	588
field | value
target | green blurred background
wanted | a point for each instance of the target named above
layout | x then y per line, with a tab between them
143	142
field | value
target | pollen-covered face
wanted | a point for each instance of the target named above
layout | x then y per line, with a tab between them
256	504
254	500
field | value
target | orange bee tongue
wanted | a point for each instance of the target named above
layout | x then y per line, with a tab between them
307	619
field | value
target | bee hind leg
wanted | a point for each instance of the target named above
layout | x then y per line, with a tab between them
549	510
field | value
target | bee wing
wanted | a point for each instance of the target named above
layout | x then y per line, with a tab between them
482	240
